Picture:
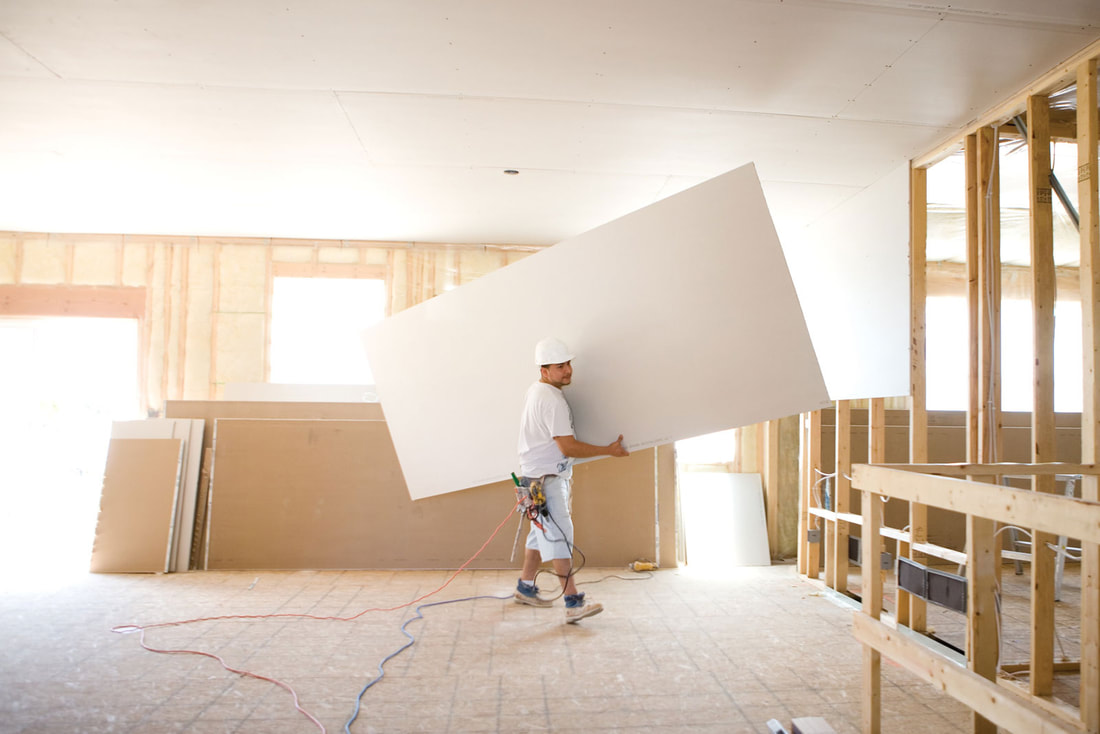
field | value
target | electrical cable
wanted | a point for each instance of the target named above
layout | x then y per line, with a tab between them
131	628
403	648
420	615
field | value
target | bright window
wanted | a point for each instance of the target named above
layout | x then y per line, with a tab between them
317	329
948	365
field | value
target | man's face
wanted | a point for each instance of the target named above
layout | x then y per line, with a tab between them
558	375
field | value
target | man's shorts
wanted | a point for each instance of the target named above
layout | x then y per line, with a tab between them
556	540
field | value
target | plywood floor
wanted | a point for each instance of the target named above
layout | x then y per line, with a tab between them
671	653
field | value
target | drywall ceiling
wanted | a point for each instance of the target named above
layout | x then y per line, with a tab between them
395	120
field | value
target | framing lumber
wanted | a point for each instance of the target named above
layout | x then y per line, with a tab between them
989	297
1043	442
1049	513
982	633
871	591
912	610
1005	469
73	300
813	465
772	486
992	701
1088	182
842	492
1058	78
972	265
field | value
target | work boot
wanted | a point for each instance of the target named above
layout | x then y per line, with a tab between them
576	608
529	594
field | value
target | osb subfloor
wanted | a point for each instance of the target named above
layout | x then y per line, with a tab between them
673	653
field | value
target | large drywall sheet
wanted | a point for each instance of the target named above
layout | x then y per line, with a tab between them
136	508
289	494
682	315
190	431
851	270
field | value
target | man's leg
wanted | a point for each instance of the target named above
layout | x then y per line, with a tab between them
532	559
562	567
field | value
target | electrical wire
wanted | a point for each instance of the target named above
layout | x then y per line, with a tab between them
420	615
403	648
142	629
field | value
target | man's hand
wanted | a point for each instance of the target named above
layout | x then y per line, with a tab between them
575	449
616	448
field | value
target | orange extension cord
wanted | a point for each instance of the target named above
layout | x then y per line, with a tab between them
131	628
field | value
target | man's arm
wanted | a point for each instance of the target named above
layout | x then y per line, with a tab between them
575	449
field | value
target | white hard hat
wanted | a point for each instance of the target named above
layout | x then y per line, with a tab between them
552	351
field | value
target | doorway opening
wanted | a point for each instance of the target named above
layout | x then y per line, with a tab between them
63	380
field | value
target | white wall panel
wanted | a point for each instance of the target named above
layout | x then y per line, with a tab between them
851	270
682	315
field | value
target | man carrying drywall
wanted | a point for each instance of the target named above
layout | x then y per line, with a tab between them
547	448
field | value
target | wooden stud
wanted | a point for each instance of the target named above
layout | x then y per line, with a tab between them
70	257
804	495
1043	446
989	298
842	493
813	552
185	289
269	292
215	305
972	265
912	610
148	329
18	261
871	505
981	605
772	486
169	252
1088	182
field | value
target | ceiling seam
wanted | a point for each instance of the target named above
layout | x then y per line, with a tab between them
29	55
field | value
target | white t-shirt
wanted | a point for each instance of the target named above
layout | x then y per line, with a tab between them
545	414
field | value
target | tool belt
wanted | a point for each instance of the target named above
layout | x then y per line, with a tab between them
530	498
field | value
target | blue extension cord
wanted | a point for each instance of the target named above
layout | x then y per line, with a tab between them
406	646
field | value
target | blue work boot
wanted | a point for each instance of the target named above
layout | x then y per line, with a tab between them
576	608
529	594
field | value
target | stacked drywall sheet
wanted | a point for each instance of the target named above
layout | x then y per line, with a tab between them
289	494
190	432
138	505
211	410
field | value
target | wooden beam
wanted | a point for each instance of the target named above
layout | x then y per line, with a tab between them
989	298
911	609
1003	469
842	493
1088	181
982	631
993	702
954	279
805	497
972	297
771	485
1068	516
1058	78
871	505
1043	442
813	551
72	300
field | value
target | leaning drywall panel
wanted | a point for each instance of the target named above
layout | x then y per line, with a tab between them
724	523
191	433
851	270
289	494
682	316
140	483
